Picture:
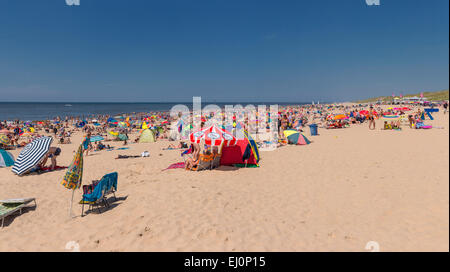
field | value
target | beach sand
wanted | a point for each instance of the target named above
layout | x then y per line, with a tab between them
349	187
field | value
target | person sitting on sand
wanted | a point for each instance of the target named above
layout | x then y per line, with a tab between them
386	125
192	162
67	140
392	125
52	153
100	146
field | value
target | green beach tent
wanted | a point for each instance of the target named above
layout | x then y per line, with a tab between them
147	136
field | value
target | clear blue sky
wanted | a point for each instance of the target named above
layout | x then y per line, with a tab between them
227	50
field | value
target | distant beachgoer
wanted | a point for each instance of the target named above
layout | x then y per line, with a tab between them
180	145
371	118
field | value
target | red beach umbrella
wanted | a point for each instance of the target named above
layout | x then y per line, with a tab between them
213	136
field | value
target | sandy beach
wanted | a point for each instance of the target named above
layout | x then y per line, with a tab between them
349	187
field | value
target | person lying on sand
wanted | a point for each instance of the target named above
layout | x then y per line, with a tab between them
179	146
100	146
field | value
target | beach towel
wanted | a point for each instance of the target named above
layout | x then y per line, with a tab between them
49	169
188	151
127	156
243	165
175	166
121	148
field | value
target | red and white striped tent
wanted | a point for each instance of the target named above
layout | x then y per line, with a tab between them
213	136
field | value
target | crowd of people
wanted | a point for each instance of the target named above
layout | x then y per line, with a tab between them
20	133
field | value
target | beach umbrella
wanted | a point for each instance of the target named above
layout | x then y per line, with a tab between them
391	117
74	175
4	139
96	139
340	117
6	159
213	136
144	126
81	124
364	112
31	154
295	137
29	129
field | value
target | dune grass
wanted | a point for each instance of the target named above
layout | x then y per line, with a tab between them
431	96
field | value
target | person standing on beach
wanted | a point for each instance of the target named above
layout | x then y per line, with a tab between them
445	107
87	143
371	119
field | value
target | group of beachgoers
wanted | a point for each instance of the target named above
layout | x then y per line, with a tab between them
17	134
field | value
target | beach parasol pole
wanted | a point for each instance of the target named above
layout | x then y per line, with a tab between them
72	179
71	204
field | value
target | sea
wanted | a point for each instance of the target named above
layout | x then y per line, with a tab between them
31	111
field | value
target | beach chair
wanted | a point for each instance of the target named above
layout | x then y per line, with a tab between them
205	162
96	193
10	206
216	161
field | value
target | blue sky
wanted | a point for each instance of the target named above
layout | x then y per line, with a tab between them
227	50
